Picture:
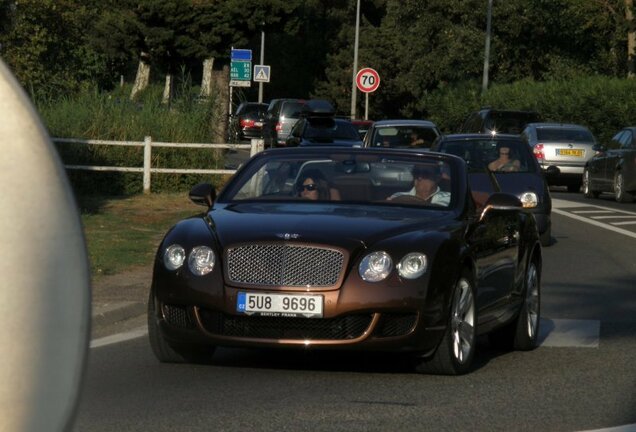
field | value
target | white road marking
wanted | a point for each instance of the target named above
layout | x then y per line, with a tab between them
624	428
613	217
120	337
596	223
558	203
591	211
569	333
624	223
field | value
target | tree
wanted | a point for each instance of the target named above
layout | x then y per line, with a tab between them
43	43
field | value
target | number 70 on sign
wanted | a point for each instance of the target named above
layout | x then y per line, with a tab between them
367	80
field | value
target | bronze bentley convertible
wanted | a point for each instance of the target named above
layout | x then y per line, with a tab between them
366	249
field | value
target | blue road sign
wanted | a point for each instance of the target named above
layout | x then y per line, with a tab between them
261	73
241	54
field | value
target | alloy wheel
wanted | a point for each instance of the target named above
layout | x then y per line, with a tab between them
463	321
532	301
619	186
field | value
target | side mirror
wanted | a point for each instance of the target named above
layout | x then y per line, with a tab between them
203	194
501	201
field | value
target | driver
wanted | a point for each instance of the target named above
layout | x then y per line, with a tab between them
426	186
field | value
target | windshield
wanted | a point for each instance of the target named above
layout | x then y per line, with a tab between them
510	122
404	136
328	129
497	155
564	135
291	109
346	178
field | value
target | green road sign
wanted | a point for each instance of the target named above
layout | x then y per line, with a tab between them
241	70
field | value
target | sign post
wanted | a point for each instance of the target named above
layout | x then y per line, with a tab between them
368	81
240	70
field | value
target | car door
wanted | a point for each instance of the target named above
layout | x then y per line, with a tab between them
495	245
612	156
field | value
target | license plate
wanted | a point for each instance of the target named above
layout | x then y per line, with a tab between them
280	305
258	124
570	152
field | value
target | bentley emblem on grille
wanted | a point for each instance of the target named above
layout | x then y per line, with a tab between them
287	236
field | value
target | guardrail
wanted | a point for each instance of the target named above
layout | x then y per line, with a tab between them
255	146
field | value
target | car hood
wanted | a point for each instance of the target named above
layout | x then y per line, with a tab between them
514	183
340	225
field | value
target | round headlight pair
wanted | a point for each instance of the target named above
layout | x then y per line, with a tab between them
377	266
200	261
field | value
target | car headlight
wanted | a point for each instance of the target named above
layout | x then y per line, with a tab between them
173	257
375	267
529	199
201	260
413	265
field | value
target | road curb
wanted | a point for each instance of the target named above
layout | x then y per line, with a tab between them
110	313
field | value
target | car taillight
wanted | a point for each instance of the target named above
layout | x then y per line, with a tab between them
538	152
279	127
247	123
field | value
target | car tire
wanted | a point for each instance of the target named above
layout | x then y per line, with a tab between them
523	332
167	352
454	355
619	189
588	191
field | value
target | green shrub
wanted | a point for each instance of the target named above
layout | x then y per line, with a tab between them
113	116
603	104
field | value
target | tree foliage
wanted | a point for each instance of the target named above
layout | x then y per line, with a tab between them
417	46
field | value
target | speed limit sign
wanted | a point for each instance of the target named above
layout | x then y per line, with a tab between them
367	80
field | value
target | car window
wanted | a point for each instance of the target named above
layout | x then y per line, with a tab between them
509	122
615	142
291	109
564	135
328	128
626	140
369	179
404	137
478	153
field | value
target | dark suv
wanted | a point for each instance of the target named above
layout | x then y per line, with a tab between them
282	115
489	120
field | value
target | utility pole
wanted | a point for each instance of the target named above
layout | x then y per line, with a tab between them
354	90
260	84
484	83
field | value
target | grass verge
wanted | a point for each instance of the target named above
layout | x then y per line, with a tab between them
124	232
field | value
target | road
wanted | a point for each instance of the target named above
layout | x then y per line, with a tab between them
582	377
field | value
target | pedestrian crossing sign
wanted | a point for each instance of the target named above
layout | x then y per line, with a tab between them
261	73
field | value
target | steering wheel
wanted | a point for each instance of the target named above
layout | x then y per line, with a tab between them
409	199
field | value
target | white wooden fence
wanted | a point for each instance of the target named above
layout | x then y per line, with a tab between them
255	146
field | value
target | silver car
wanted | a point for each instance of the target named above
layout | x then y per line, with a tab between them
282	115
562	150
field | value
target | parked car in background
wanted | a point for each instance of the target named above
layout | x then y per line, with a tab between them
319	126
362	126
282	115
268	265
247	122
519	174
562	150
489	120
402	133
613	168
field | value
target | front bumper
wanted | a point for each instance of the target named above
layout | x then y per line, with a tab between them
398	324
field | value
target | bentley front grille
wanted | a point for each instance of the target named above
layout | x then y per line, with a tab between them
284	265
